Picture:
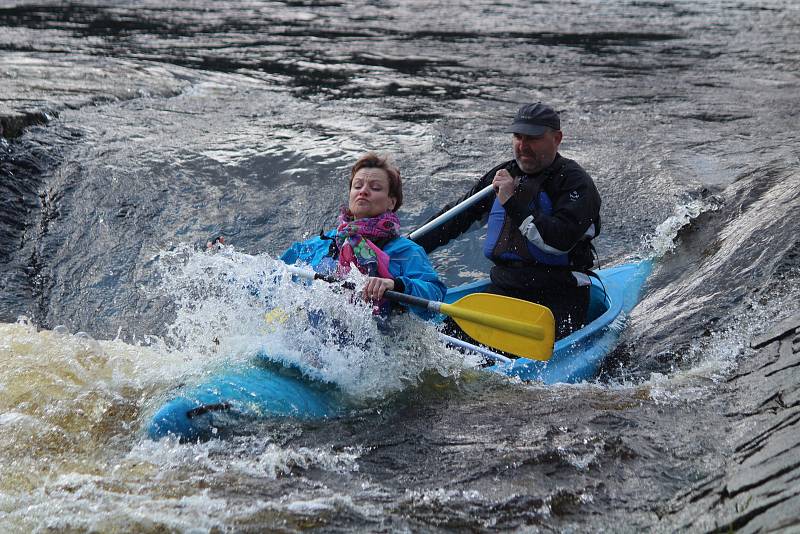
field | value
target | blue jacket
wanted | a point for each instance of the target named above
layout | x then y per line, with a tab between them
408	263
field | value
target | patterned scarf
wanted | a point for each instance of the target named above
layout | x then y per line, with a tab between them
353	239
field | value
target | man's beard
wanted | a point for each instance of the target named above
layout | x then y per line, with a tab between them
533	166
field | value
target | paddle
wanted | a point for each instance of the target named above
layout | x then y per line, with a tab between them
452	212
475	348
511	325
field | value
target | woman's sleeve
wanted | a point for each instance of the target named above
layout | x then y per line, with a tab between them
293	253
411	266
310	251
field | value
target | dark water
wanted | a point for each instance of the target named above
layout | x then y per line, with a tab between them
242	120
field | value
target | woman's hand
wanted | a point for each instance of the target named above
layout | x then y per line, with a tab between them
376	287
217	244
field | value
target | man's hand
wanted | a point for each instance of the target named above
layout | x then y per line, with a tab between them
376	287
504	185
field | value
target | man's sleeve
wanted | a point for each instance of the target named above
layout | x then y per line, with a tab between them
446	232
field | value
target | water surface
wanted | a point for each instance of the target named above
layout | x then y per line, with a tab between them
684	113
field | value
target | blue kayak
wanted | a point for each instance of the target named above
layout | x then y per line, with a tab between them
247	392
263	388
578	356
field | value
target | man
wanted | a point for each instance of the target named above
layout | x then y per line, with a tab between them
541	220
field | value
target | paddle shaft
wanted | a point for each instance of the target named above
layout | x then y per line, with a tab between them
410	299
453	310
469	346
456	312
452	212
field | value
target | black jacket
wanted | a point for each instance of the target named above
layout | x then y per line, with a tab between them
574	221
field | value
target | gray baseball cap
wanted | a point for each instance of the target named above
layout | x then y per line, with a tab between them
535	119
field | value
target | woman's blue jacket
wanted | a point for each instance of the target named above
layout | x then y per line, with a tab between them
408	263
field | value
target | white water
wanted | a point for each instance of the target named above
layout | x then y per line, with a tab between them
70	404
239	305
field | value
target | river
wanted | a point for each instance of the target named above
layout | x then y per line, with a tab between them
241	118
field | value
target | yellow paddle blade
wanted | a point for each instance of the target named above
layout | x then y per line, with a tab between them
276	315
274	318
512	325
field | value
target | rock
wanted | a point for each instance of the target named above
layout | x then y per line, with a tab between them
785	327
759	490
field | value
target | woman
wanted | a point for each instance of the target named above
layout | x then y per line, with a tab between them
368	236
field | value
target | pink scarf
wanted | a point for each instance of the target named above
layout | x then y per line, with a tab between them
353	239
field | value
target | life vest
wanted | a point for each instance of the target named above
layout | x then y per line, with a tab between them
504	242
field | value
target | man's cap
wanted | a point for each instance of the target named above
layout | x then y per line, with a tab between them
535	119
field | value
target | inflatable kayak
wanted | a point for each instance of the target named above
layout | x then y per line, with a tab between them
258	389
578	356
263	388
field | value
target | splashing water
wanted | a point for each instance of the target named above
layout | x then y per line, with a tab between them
70	404
664	238
67	400
232	307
